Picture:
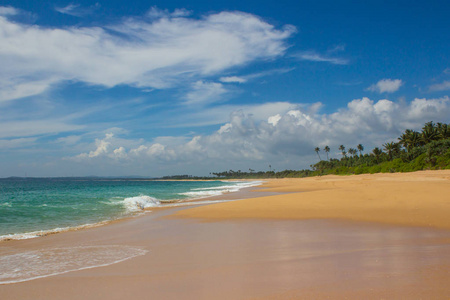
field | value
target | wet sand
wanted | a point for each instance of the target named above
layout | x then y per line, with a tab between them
262	255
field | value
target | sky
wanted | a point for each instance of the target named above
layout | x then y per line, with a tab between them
153	88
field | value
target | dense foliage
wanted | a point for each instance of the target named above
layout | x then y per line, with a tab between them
414	151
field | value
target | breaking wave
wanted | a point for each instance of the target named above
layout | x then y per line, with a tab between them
133	204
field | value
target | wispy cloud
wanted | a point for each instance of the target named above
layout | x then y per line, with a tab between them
8	11
317	57
11	129
204	93
77	10
249	77
148	53
17	143
157	13
386	86
444	86
228	79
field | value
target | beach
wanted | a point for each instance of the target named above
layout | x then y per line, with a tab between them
379	236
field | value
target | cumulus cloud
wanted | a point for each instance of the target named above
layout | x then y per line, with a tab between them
293	133
444	86
148	52
386	86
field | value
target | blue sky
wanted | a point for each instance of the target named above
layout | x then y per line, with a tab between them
165	87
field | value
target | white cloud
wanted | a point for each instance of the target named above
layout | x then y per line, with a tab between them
141	52
204	93
76	10
313	56
229	79
220	114
69	140
386	86
9	129
285	137
17	143
8	11
246	78
444	86
156	13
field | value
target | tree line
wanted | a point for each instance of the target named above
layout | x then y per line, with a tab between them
413	151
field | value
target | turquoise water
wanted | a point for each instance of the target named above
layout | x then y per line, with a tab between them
32	207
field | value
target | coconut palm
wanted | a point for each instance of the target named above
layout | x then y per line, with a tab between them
327	150
391	148
410	139
317	149
360	148
429	133
352	151
443	130
377	152
342	148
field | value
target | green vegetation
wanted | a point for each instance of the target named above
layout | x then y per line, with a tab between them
414	151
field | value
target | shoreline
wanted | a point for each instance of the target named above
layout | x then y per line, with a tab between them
401	199
164	204
179	255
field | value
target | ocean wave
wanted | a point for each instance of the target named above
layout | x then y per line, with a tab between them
219	190
133	204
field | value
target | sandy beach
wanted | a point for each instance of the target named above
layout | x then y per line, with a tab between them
380	236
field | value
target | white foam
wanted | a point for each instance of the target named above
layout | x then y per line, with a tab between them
39	233
188	203
219	190
30	265
133	204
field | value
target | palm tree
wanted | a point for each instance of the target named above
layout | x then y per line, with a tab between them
391	148
360	148
317	151
410	139
352	151
342	148
327	149
429	133
377	152
443	130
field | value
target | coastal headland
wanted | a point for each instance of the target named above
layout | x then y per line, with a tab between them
380	236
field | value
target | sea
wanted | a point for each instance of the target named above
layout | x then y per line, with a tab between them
34	207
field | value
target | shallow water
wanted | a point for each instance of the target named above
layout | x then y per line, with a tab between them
34	207
29	265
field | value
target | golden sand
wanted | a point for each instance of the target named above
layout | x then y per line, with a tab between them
415	199
261	248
